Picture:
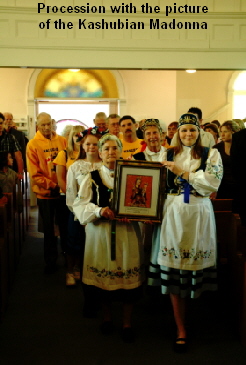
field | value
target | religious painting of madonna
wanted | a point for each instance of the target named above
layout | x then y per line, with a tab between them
139	190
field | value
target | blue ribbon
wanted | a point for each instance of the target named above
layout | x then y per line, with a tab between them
186	192
187	187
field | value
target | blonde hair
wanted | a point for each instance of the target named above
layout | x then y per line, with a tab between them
70	144
101	115
65	132
240	123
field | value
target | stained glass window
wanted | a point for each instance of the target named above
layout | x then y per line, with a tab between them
73	84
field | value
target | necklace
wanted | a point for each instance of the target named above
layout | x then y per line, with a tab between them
109	172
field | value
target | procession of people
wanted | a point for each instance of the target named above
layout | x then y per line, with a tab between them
112	266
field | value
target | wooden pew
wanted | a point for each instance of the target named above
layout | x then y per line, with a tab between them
10	237
226	224
26	201
3	261
17	237
240	296
241	283
18	205
232	253
12	224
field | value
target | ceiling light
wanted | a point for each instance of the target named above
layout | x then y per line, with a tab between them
190	71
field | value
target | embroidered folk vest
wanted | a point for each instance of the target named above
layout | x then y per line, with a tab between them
100	192
171	186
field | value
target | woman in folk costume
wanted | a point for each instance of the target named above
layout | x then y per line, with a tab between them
183	257
154	151
87	160
118	277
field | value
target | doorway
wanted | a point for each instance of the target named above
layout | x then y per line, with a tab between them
75	111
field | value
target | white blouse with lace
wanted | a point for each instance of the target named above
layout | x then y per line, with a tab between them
75	176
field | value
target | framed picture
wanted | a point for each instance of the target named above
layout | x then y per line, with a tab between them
139	190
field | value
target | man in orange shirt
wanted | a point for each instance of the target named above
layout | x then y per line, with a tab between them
41	151
131	143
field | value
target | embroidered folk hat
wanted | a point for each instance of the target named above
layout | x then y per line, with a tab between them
189	118
151	123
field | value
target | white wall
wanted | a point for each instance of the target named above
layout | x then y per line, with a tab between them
158	94
146	93
221	46
207	90
13	91
150	94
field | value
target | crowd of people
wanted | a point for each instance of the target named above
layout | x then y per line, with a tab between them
73	178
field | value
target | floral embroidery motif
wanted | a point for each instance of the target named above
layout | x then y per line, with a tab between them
119	273
216	170
183	254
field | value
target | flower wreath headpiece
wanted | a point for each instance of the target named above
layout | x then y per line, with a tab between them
92	131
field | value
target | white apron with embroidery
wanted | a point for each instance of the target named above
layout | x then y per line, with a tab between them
188	232
126	272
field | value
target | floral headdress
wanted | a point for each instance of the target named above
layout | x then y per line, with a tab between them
90	131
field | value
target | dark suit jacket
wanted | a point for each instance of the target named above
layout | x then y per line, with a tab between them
238	154
238	159
21	139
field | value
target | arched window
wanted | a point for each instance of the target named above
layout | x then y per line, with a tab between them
239	96
73	84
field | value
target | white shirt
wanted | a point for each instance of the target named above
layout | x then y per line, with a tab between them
83	208
155	156
75	176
